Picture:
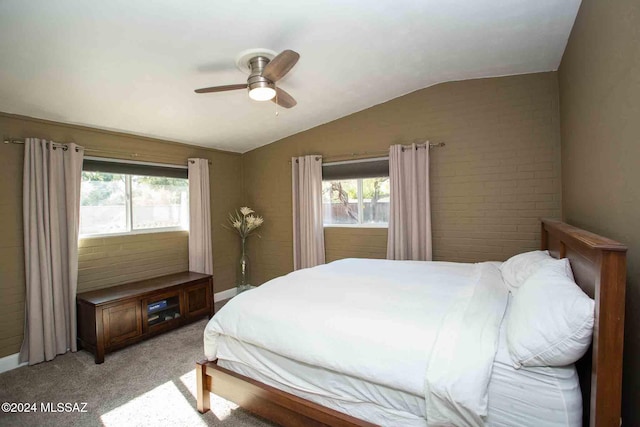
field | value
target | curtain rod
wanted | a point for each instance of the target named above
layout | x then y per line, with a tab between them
55	144
424	145
372	154
92	150
383	152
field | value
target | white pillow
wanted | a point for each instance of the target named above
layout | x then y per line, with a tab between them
551	320
517	269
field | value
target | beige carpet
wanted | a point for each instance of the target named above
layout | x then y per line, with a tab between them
152	383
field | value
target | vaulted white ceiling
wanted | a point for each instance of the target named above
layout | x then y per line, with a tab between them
132	66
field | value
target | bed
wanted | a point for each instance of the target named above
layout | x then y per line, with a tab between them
311	370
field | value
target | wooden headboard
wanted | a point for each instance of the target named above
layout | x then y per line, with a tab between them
599	267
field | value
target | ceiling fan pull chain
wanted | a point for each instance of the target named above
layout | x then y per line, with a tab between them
277	113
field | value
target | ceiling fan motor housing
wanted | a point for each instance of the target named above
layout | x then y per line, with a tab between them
256	80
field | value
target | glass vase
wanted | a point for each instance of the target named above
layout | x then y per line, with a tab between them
243	270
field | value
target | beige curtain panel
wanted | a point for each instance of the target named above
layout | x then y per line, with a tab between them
200	250
308	230
51	213
409	235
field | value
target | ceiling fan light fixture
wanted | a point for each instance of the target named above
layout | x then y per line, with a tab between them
262	93
265	69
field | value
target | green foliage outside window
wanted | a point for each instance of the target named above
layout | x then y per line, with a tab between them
102	189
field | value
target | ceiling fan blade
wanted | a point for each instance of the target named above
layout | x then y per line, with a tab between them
279	66
283	99
221	88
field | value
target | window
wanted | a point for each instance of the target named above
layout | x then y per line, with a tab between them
356	193
112	202
361	201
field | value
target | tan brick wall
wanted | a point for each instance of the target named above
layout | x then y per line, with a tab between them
498	174
599	80
109	261
341	242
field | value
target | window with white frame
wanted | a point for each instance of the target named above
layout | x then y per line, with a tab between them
121	198
356	193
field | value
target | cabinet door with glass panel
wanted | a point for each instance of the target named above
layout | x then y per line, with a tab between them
162	311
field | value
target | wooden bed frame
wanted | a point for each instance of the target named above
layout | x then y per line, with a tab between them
599	267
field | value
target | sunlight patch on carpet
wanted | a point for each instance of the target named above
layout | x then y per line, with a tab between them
165	405
220	407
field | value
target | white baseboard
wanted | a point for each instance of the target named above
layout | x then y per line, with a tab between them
10	362
229	293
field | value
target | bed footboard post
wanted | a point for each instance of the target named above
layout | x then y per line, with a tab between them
203	384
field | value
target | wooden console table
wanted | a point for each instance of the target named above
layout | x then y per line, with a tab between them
112	318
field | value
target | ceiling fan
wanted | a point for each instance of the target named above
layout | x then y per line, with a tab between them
265	68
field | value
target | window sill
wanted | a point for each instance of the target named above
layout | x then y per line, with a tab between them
133	233
356	225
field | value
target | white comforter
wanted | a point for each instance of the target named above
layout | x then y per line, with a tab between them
422	327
